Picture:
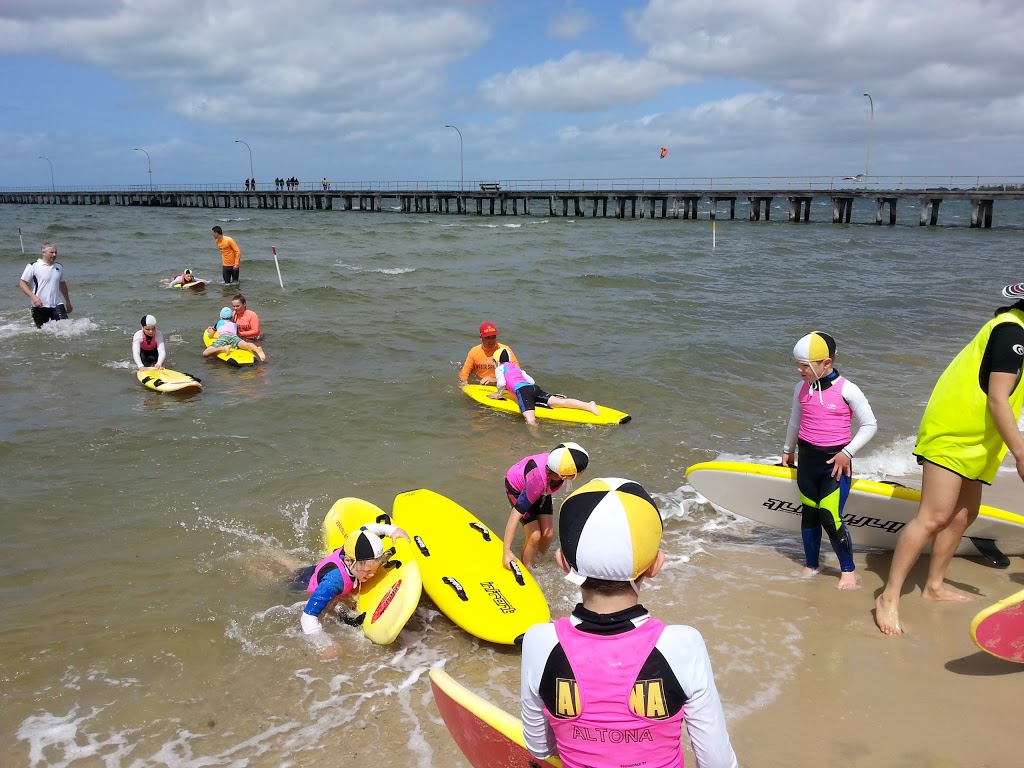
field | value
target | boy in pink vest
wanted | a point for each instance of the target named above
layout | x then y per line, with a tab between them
819	427
611	686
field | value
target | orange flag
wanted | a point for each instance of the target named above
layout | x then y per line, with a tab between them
664	152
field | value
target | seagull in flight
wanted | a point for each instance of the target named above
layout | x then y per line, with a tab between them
858	177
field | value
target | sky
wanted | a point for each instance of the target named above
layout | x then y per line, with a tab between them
361	91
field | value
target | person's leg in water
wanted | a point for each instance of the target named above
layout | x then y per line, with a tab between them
256	349
943	493
532	543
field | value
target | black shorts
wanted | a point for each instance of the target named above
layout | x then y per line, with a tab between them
530	396
149	357
41	315
230	274
541	506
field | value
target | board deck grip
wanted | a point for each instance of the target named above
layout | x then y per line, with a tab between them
482	530
422	547
384	518
518	572
392	564
457	587
990	551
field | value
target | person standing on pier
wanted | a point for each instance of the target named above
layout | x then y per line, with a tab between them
43	283
230	255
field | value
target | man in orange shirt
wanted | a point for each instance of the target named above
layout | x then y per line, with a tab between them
230	255
480	360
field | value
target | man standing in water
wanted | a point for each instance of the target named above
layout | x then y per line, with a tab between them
230	255
43	283
968	425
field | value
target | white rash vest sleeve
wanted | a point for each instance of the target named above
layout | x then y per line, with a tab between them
866	424
794	421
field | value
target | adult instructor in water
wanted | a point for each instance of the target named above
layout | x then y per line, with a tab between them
968	425
230	255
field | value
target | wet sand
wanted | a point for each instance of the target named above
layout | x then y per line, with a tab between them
806	677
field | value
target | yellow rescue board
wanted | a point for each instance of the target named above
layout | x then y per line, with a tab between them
460	562
237	357
508	404
166	380
192	284
390	598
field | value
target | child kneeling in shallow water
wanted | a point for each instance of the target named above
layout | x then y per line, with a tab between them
342	573
227	336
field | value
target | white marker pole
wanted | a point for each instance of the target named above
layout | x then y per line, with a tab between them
22	240
714	236
274	249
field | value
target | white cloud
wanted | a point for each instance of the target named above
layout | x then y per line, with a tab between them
321	64
579	82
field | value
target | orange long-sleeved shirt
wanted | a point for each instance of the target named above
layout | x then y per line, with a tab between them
482	364
230	253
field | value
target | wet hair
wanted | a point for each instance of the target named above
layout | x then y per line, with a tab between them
238	297
1016	305
606	587
218	230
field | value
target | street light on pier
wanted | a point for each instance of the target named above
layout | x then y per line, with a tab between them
871	125
149	167
462	174
252	174
53	187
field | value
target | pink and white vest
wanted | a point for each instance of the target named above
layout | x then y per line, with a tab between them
609	719
332	559
513	376
824	415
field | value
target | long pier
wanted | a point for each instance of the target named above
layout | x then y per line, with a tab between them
495	199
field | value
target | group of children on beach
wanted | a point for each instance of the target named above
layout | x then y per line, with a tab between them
610	668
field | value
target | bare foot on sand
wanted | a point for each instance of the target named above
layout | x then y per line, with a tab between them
849	581
593	408
809	573
887	617
947	594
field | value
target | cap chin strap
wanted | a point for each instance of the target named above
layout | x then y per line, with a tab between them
632	583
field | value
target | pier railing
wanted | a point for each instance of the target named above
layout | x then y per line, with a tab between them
583	184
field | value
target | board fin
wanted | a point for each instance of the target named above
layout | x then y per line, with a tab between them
989	551
353	621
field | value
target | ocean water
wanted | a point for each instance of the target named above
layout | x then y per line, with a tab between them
146	622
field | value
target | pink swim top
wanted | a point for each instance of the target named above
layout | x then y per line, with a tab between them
513	376
824	415
618	720
333	559
226	328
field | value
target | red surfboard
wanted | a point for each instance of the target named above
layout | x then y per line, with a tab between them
999	629
489	737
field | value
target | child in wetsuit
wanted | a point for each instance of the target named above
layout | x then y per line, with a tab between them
513	378
529	484
342	572
611	685
820	426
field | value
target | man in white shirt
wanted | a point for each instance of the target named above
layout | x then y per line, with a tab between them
43	282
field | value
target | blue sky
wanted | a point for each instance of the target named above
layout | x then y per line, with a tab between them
361	91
